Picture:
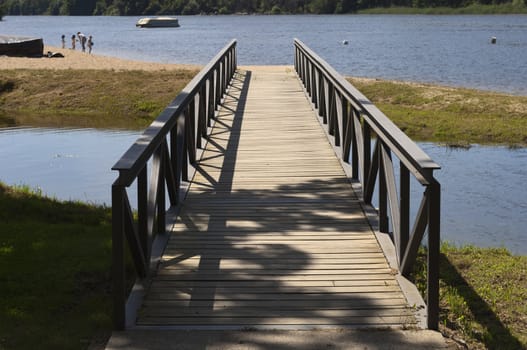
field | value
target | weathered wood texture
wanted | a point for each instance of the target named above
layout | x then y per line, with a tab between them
271	234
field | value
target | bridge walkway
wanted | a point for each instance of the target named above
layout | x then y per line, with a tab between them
271	234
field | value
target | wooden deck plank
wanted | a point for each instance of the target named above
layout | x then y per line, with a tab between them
271	233
283	279
371	320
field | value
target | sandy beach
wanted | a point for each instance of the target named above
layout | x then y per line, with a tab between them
75	59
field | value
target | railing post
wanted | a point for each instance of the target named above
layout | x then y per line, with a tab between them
142	209
174	160
223	66
383	198
322	98
305	66
332	110
202	116
347	136
185	146
235	53
160	198
296	59
217	86
366	154
314	82
118	268
210	98
353	114
404	207
434	214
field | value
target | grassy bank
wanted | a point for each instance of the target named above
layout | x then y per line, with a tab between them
482	297
473	9
132	99
450	115
89	98
54	271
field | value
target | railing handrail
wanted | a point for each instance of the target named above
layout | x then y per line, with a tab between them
161	159
415	159
349	119
133	159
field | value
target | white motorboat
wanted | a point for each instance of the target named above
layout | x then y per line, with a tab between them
157	22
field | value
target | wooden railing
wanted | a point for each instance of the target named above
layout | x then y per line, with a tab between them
169	146
352	123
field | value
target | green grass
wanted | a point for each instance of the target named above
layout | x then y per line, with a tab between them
87	98
482	296
54	271
450	115
474	9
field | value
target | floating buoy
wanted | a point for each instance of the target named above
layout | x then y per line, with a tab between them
493	40
344	42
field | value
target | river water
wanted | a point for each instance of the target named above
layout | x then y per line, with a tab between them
483	188
452	50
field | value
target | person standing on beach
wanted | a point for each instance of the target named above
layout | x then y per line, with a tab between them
90	44
73	42
82	40
63	40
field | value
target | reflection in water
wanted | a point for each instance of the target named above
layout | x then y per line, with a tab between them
484	200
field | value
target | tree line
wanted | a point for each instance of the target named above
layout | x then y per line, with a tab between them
192	7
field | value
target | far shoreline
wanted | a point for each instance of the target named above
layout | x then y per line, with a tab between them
75	59
508	8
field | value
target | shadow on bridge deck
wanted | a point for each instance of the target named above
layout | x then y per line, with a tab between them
271	237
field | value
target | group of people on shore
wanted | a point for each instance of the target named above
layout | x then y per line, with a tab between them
86	42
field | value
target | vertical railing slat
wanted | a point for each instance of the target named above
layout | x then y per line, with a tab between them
404	214
391	189
383	192
354	143
434	214
142	208
118	264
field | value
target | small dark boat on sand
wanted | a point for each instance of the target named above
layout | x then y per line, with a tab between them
21	46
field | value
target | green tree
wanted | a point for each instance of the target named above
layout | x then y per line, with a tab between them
191	8
153	8
323	6
100	8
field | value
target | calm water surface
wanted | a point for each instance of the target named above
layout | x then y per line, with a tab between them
483	189
64	163
484	196
453	50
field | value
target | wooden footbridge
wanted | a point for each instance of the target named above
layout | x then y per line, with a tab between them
254	207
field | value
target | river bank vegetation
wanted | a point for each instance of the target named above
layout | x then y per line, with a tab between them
454	116
55	260
192	7
132	99
482	297
87	98
515	7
